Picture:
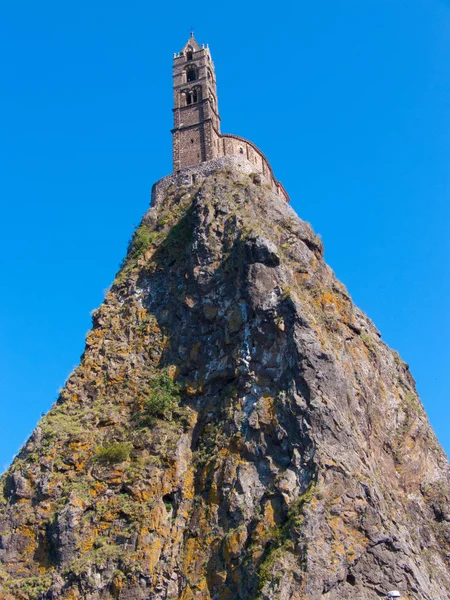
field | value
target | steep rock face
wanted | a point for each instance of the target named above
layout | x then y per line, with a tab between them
236	429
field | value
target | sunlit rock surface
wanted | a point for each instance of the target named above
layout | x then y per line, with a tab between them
236	429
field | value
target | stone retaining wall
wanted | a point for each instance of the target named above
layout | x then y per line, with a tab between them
238	162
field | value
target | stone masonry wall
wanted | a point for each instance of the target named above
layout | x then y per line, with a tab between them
196	173
234	144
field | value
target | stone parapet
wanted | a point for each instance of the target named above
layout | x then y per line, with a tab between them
196	173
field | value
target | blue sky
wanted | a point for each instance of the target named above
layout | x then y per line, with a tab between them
349	100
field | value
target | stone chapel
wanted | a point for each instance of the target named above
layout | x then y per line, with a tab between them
198	145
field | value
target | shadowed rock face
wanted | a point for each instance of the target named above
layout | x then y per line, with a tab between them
236	429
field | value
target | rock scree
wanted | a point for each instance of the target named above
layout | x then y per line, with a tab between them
236	429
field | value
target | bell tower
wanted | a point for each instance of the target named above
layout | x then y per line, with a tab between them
196	132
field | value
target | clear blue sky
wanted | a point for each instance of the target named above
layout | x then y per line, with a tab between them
349	100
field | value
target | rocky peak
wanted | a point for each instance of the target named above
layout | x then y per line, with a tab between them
236	429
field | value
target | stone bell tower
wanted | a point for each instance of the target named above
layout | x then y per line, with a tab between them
196	132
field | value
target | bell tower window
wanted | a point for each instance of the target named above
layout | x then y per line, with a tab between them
189	55
192	96
191	74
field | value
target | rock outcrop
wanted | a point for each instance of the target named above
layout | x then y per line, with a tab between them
236	429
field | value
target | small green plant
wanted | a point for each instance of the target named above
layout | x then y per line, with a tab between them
140	241
163	398
113	453
286	293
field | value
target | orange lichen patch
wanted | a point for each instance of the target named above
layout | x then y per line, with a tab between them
188	484
269	515
152	555
88	542
103	526
140	494
265	529
118	377
193	560
202	586
187	594
117	584
300	278
122	351
329	301
266	410
347	540
97	488
159	521
94	336
173	371
142	314
45	508
77	502
194	388
234	543
29	533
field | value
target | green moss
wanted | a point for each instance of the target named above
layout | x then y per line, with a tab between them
113	453
61	424
281	541
32	587
99	556
265	571
141	240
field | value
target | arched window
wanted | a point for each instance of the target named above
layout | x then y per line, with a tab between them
192	96
241	150
189	53
191	75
